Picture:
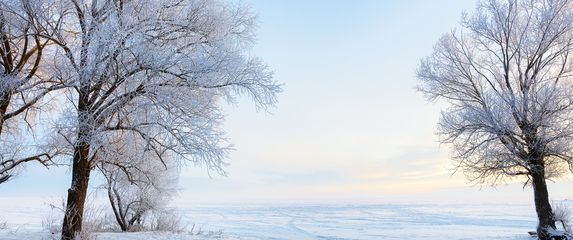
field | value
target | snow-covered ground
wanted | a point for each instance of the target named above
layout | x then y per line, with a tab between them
316	222
412	221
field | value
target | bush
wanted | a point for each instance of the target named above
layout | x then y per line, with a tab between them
167	221
139	194
562	214
3	225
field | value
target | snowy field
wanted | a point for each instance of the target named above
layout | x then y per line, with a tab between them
370	221
317	222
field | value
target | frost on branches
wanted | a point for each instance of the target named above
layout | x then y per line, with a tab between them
139	186
156	72
24	82
506	75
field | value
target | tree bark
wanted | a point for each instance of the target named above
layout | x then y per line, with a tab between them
542	205
81	169
77	193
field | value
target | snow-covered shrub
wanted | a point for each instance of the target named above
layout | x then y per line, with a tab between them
3	225
139	187
562	214
94	221
167	221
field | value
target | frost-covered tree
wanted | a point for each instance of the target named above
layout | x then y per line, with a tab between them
138	185
157	70
23	79
507	78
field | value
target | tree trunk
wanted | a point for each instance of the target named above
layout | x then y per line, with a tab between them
542	205
77	193
81	169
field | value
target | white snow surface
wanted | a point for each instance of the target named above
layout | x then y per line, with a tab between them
313	222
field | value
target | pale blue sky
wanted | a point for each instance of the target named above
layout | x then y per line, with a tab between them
349	125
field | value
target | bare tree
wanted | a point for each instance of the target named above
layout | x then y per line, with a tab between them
157	70
23	84
506	75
